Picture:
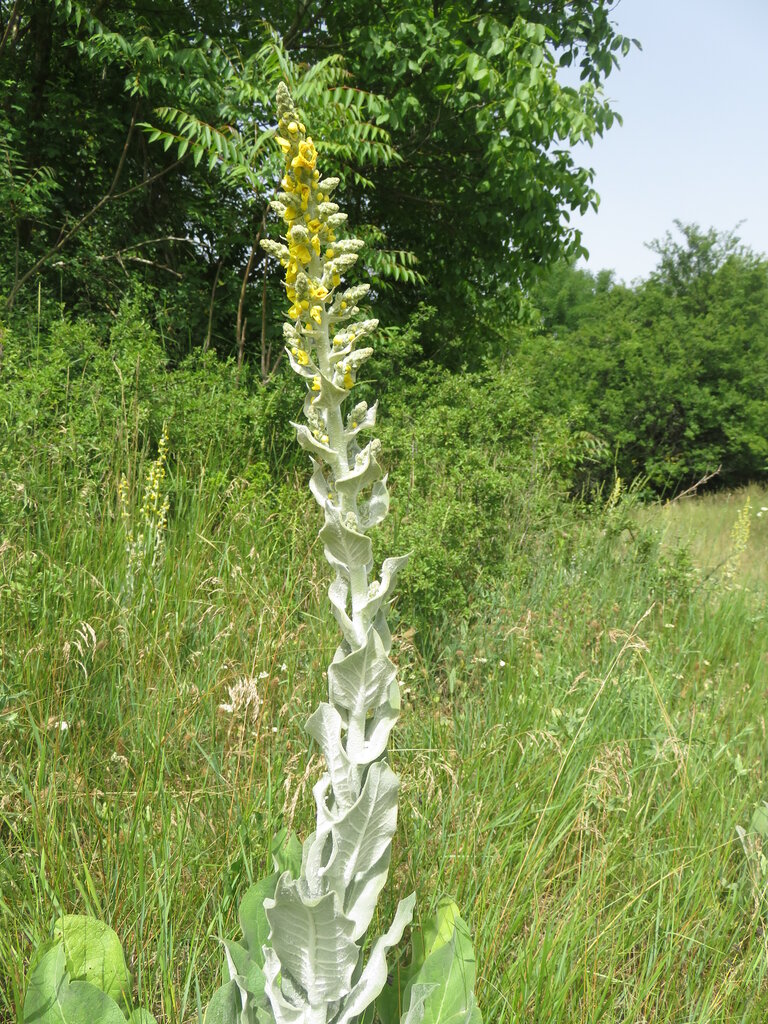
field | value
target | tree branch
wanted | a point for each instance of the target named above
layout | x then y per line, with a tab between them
63	239
9	26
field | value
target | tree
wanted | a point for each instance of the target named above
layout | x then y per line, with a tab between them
673	374
432	102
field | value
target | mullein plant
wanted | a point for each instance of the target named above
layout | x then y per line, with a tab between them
305	955
145	545
316	964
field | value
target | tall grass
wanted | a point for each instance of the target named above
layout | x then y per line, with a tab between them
582	742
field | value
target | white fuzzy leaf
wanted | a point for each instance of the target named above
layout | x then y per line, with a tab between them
318	484
374	975
374	510
312	939
364	832
363	894
283	1011
344	547
310	443
361	681
365	471
383	589
324	726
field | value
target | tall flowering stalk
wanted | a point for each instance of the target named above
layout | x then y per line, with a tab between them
314	966
302	957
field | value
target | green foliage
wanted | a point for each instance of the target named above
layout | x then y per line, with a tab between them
593	781
438	985
81	977
135	152
476	472
671	374
96	395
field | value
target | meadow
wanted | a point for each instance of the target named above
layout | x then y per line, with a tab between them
583	730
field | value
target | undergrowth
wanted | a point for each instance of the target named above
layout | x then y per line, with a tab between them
586	727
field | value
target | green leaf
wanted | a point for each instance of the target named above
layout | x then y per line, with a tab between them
225	1005
286	853
94	954
141	1016
759	821
437	987
52	999
46	981
253	919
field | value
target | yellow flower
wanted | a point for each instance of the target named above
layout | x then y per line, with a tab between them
293	127
302	253
284	144
294	312
316	244
349	381
316	384
318	291
317	314
336	280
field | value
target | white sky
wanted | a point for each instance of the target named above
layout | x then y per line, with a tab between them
694	144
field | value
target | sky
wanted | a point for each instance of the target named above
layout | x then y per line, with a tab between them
694	143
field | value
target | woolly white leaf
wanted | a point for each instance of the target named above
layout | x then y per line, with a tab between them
324	726
365	471
373	511
361	680
344	547
374	975
312	939
365	830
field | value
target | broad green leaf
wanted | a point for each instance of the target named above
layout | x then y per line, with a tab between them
759	821
286	853
253	919
245	972
225	1006
83	1003
141	1016
437	987
450	968
46	983
52	998
94	954
439	929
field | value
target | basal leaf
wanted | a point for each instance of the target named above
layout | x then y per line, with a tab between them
253	919
94	954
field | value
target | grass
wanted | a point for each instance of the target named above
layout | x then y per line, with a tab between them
706	525
577	749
